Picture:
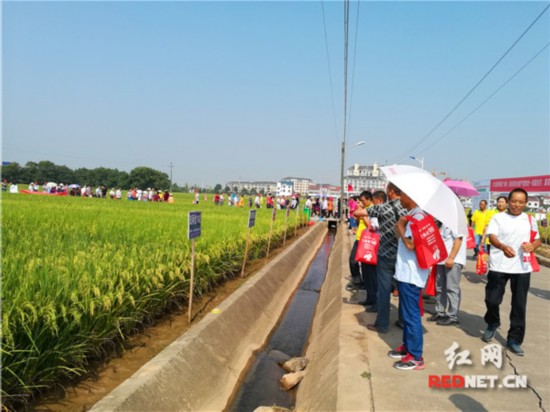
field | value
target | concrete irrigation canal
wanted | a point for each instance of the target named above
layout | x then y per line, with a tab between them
229	360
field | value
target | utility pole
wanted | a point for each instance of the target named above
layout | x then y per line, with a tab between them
171	166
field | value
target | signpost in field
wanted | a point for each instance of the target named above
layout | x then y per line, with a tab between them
193	232
251	222
286	224
273	215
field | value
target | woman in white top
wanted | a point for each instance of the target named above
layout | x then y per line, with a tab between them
510	235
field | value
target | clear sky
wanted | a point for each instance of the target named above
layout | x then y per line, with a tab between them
241	90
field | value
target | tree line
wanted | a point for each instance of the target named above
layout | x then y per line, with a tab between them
141	177
45	171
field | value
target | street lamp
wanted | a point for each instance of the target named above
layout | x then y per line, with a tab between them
341	210
421	160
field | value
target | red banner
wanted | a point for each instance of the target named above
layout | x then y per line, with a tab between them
529	183
28	192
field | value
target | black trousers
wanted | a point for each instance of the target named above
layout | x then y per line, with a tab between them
369	276
494	293
354	267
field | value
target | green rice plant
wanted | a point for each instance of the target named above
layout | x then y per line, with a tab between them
81	274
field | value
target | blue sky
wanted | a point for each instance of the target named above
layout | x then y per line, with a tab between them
241	90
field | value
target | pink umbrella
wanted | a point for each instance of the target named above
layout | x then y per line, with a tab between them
461	188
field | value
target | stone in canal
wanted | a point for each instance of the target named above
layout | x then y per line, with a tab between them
290	380
271	409
295	364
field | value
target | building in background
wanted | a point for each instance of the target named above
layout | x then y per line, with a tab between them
359	178
256	186
285	188
324	189
300	184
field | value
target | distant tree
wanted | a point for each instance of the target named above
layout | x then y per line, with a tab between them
253	191
262	192
227	189
65	175
47	171
13	173
235	189
30	172
144	177
217	188
177	188
245	191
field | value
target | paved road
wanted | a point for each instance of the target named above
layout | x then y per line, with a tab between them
392	390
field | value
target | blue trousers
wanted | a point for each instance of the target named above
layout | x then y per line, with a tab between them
413	337
478	243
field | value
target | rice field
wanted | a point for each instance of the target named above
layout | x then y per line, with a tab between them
81	274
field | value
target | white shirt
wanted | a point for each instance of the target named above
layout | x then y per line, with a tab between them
449	239
14	189
406	268
510	231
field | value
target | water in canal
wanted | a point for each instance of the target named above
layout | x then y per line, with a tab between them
260	386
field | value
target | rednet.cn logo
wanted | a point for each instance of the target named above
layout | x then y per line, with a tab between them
491	353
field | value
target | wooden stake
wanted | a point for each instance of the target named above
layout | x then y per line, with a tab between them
245	252
192	279
286	227
269	239
296	222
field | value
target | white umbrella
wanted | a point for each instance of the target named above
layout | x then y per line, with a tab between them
431	194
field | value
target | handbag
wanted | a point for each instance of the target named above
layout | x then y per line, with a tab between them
482	264
430	283
367	247
428	244
471	240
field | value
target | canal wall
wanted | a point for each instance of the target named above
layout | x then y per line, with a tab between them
200	370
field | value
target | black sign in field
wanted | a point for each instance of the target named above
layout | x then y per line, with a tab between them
194	226
251	218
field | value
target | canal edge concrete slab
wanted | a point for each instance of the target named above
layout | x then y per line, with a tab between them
199	371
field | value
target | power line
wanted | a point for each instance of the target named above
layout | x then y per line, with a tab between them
487	99
329	71
478	83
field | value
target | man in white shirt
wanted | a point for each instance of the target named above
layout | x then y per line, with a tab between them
447	282
514	237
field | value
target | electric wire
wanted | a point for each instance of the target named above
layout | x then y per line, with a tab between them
486	100
329	71
478	83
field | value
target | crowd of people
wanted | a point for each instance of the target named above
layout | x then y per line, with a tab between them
506	233
322	207
257	201
146	195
